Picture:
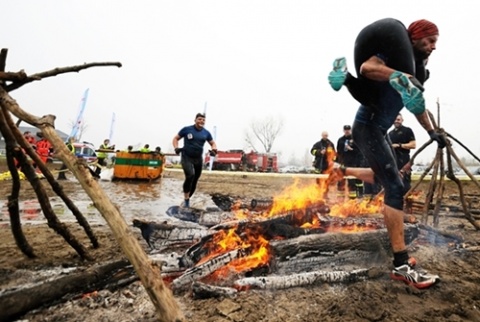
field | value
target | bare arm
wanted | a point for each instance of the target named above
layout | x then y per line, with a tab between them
424	121
375	69
213	144
408	146
175	140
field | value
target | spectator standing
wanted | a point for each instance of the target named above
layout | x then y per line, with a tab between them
402	140
102	156
194	137
63	169
145	149
30	139
44	148
323	151
349	155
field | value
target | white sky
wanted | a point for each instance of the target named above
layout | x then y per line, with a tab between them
247	59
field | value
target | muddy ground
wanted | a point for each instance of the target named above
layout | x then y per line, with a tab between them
456	298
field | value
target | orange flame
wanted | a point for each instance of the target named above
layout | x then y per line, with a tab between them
297	197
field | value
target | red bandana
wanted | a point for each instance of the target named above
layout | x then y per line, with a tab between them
422	28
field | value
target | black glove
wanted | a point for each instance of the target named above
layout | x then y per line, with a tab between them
438	137
417	83
213	152
178	150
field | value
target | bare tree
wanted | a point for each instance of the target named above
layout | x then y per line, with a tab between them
265	132
81	129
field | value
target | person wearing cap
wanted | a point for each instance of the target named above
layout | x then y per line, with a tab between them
194	137
349	155
390	63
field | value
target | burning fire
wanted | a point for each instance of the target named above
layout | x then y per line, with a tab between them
252	243
297	199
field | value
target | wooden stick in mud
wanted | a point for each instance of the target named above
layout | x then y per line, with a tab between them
167	308
452	177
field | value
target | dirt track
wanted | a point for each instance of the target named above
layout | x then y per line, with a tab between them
456	298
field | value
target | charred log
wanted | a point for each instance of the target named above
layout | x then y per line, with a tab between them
204	291
301	279
158	235
315	260
373	240
17	302
200	271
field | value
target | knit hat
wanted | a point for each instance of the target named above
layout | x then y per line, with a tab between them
422	28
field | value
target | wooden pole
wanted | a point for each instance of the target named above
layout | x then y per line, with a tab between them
161	296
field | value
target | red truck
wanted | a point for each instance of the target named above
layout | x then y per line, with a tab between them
238	160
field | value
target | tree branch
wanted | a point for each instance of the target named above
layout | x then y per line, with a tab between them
57	71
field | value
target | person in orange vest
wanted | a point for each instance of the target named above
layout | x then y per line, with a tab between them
44	148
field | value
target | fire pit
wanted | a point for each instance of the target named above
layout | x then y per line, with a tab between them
297	238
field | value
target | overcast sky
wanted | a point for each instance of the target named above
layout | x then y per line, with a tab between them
247	60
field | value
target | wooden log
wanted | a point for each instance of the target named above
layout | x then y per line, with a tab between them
300	279
373	240
158	235
19	301
315	260
150	275
200	271
204	291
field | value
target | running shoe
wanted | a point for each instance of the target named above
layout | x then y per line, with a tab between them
412	96
185	204
337	76
410	275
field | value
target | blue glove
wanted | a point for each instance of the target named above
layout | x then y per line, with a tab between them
178	150
213	152
438	137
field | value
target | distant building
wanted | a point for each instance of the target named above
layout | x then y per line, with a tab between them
34	131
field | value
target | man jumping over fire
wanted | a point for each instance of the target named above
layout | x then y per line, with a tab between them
390	63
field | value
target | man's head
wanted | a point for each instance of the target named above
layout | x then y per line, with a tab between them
398	121
324	135
199	120
106	141
347	130
424	35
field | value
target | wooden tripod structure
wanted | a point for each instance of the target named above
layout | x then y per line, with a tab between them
147	271
436	189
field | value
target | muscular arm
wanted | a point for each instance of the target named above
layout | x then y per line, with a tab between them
424	121
375	69
213	144
408	146
175	140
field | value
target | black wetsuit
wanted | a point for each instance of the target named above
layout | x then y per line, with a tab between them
380	102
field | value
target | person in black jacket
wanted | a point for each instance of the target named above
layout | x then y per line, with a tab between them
402	141
324	152
349	155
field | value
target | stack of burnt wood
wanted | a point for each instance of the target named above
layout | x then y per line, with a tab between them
298	247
